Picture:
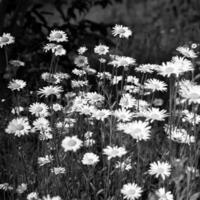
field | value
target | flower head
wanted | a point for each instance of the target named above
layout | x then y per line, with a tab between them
185	51
18	127
39	109
121	31
164	195
16	84
131	191
50	90
6	39
57	36
138	130
90	159
71	143
162	169
155	85
101	49
115	151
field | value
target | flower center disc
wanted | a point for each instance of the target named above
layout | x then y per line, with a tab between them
72	143
19	127
15	85
58	35
39	109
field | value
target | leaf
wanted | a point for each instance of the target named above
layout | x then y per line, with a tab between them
195	196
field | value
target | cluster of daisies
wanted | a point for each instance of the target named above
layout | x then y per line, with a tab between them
57	114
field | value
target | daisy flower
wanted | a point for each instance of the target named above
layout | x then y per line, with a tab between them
153	114
190	117
123	115
94	98
115	151
162	169
5	186
71	143
32	196
182	64
39	109
59	50
155	85
124	165
90	159
121	31
127	101
82	50
179	135
190	91
21	188
16	84
78	84
89	142
51	198
131	191
101	49
164	195
58	170
101	114
81	61
17	110
17	63
50	90
122	61
78	72
18	127
146	68
57	107
177	67
50	47
138	130
57	36
6	39
44	160
185	51
116	80
41	124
